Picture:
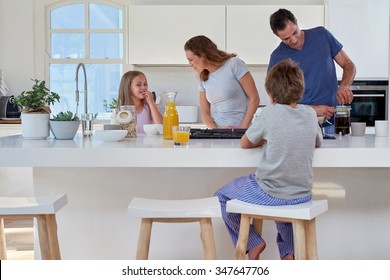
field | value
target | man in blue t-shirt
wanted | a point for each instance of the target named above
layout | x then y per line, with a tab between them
314	50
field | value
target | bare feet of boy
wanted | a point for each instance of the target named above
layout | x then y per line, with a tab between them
288	257
254	253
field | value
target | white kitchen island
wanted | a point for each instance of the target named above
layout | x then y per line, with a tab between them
100	179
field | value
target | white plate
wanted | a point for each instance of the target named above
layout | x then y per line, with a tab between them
10	119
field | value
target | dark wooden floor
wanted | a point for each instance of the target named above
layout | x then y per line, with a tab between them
19	235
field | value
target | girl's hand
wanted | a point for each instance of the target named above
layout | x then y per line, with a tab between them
149	97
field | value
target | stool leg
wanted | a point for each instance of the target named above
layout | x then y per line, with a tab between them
144	239
3	244
207	237
311	240
51	224
242	237
299	239
43	237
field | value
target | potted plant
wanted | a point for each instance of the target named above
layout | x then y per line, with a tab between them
35	110
109	107
64	125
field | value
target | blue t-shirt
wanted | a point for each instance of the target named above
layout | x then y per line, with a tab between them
317	64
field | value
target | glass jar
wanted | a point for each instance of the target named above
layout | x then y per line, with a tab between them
127	119
342	119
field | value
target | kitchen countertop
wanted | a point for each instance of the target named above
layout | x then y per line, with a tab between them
154	151
100	178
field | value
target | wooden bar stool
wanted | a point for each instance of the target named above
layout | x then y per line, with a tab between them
175	211
43	208
302	216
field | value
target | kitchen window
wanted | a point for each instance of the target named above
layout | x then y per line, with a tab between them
90	32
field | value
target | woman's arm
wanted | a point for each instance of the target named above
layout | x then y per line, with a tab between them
205	111
248	84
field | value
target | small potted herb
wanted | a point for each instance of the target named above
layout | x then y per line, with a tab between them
64	125
35	110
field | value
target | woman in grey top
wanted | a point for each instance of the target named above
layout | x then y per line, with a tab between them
288	133
228	94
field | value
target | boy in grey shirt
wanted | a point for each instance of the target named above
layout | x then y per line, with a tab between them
288	133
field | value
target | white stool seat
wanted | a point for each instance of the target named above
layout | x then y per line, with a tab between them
43	208
302	216
190	208
32	205
175	211
303	211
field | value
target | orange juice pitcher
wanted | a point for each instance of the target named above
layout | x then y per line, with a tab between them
171	118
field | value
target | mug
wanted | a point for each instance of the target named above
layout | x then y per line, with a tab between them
382	128
358	128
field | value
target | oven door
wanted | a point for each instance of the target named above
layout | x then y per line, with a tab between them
368	105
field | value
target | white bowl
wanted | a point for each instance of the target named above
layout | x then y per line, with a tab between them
160	128
111	135
153	129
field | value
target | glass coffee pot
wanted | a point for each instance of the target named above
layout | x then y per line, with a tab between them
342	119
171	117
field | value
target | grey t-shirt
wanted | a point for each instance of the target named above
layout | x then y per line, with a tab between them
291	134
225	93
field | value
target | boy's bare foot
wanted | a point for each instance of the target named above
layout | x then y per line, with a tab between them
288	257
254	253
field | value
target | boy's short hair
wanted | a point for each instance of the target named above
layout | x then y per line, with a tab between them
285	82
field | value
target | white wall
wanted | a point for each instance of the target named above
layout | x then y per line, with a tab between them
1	34
17	44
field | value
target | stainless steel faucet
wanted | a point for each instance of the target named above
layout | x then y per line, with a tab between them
85	88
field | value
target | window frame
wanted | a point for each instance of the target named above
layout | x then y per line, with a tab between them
42	34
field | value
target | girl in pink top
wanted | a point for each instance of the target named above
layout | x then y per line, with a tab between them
133	90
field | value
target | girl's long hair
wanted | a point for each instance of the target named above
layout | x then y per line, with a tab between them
125	96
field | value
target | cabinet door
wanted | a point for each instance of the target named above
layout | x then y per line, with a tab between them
362	26
158	33
249	33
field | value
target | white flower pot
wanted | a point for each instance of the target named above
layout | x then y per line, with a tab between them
35	125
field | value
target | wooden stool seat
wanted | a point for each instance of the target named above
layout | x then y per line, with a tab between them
302	216
175	211
43	208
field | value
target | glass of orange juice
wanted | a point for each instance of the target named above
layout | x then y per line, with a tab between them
181	135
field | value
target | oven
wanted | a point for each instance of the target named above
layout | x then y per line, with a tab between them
370	101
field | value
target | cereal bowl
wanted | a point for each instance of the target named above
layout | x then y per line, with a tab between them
111	135
152	129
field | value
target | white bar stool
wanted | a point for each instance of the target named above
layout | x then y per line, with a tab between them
43	208
302	216
175	211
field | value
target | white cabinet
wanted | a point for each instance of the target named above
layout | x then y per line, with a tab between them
362	26
249	33
158	32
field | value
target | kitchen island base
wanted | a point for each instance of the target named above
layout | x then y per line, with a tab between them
95	224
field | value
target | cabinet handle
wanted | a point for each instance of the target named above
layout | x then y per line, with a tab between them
368	95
